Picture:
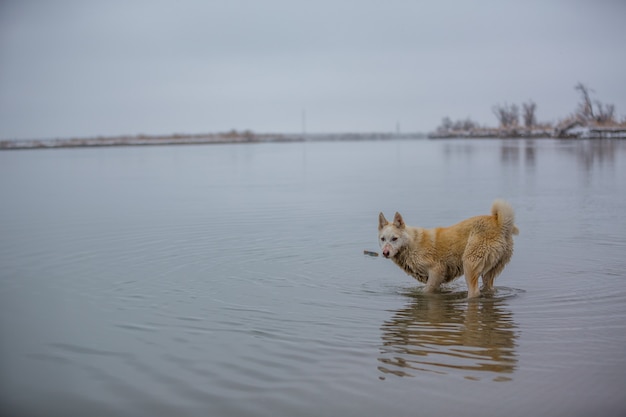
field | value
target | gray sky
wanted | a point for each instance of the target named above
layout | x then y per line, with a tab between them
85	68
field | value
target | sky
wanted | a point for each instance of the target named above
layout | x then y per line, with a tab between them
85	68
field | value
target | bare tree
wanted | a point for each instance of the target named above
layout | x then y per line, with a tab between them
507	115
528	110
446	124
601	113
605	113
469	124
585	108
466	125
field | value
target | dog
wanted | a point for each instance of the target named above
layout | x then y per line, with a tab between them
480	246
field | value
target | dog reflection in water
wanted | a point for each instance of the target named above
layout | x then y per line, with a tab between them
442	334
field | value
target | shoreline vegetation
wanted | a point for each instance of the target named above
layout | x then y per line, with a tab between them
592	119
575	131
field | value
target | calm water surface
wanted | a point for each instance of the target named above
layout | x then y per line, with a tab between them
230	280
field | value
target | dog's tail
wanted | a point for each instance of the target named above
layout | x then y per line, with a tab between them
503	212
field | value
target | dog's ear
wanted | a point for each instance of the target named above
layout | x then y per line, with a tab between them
398	221
382	222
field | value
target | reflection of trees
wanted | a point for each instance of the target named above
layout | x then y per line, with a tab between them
441	334
594	151
529	153
509	152
589	154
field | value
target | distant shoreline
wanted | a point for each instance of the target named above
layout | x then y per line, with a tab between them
198	139
249	137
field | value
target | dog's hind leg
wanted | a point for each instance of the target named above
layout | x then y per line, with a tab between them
490	276
501	260
472	274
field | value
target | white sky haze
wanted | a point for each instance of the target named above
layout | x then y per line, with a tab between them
75	68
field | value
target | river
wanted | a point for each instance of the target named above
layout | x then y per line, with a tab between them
230	280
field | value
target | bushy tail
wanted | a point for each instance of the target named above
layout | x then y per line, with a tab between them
503	212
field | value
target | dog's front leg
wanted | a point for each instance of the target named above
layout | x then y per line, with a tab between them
435	278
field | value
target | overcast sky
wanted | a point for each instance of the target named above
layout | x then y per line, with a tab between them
72	68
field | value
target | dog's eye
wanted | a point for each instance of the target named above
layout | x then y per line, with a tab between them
393	239
382	239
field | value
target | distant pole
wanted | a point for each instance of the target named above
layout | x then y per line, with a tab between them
398	128
304	121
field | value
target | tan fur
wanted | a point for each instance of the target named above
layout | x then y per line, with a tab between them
478	246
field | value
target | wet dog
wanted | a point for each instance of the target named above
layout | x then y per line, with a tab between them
480	246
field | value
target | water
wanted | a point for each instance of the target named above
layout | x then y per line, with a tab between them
230	280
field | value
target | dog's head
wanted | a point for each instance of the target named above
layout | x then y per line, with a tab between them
391	235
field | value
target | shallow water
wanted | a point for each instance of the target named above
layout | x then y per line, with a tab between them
230	280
